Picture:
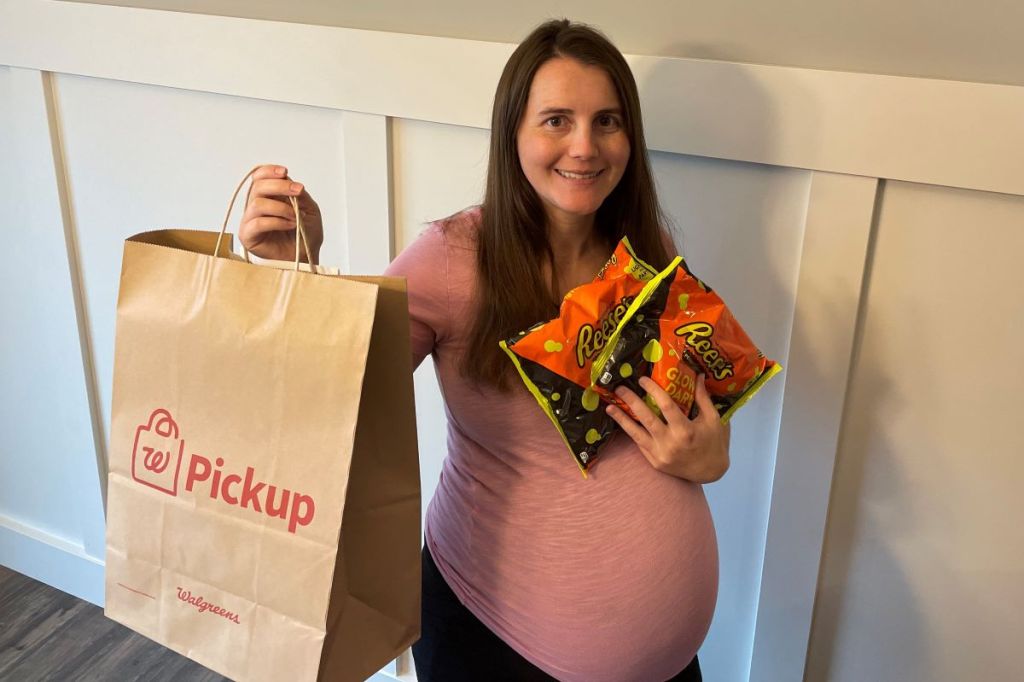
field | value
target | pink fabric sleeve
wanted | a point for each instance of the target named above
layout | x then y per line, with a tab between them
424	264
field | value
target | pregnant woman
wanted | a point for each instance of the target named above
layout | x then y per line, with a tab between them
529	571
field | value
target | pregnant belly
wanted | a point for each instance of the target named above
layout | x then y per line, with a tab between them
614	578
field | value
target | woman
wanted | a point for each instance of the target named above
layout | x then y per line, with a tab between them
529	571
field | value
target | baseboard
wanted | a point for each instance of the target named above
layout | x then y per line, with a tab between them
52	560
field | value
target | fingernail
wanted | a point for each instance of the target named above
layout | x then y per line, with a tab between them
296	188
280	170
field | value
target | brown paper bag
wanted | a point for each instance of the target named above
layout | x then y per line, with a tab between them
263	515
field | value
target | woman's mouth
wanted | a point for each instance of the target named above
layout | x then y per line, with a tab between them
572	175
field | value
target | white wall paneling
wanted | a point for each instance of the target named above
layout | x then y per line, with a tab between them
921	576
170	158
438	169
51	559
741	226
51	509
910	38
84	175
368	222
840	211
93	543
940	132
388	131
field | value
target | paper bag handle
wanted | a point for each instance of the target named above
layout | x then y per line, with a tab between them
300	229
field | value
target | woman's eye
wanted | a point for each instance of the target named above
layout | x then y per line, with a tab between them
555	121
608	121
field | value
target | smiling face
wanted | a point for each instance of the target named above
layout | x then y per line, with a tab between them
572	144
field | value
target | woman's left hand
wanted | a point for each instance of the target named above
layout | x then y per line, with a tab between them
695	449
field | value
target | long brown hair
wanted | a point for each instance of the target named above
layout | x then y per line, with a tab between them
513	241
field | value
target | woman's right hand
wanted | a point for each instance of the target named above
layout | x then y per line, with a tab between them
268	225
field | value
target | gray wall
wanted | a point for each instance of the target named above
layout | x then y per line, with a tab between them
956	40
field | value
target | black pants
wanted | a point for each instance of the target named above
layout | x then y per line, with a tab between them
456	647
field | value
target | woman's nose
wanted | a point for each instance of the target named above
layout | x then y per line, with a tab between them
582	144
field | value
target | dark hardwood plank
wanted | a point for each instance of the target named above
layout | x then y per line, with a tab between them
46	634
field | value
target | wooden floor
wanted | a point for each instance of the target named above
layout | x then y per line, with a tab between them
46	634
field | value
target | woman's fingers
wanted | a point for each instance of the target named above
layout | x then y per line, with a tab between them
260	226
270	170
265	215
704	402
638	433
274	187
674	416
274	208
644	414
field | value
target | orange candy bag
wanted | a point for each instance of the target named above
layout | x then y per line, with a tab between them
632	321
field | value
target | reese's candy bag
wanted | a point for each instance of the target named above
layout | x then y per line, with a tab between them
674	330
555	358
632	321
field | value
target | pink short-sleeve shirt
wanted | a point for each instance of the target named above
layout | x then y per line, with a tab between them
612	578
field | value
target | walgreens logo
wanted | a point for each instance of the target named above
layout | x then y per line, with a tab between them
204	606
157	457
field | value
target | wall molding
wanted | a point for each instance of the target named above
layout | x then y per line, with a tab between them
52	560
950	133
67	554
841	213
47	93
369	209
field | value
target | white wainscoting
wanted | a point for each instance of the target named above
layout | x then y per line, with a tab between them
122	120
140	157
921	576
740	226
51	508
